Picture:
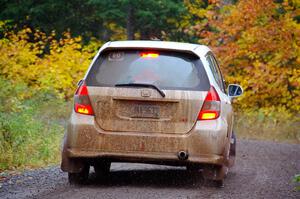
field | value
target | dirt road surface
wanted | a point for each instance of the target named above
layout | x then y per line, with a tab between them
263	170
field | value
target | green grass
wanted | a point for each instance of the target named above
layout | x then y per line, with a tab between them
296	180
276	126
31	127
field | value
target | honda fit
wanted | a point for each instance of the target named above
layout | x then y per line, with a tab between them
151	102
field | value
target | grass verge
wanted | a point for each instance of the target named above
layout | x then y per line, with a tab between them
31	127
274	126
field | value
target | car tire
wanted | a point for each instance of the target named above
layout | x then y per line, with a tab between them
195	169
219	183
102	169
81	177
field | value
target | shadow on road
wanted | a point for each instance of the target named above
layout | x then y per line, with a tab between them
150	178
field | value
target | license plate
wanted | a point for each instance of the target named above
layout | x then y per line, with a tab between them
146	111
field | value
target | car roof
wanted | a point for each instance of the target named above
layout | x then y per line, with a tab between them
164	45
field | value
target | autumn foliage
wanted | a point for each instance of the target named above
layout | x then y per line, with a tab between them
256	41
43	62
258	45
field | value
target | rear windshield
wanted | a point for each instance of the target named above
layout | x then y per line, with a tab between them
167	70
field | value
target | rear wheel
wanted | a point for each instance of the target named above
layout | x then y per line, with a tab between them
219	183
195	169
102	168
81	177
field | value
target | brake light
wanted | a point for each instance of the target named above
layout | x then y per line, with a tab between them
149	55
82	103
211	106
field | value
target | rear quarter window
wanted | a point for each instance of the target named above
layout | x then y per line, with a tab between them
167	70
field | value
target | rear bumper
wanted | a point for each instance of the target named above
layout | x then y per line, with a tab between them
146	157
205	143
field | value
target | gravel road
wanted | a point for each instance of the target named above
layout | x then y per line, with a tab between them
263	170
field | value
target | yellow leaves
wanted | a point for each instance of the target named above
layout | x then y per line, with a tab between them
17	56
60	69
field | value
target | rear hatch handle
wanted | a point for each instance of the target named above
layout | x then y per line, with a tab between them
142	85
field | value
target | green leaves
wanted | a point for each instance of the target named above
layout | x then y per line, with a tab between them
93	17
296	180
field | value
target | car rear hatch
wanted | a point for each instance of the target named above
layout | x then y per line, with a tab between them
147	91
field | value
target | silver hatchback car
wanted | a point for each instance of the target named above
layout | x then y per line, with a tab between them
152	102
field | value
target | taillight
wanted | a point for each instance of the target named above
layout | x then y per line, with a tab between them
82	103
211	106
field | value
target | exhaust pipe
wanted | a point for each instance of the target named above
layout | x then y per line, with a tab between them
182	155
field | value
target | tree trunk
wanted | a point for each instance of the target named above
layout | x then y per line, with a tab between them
130	22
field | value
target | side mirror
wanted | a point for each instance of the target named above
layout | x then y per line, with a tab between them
235	90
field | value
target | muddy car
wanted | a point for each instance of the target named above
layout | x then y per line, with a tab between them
151	102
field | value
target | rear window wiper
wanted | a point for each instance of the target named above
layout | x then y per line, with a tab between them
142	85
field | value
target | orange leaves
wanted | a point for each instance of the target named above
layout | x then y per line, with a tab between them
257	43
